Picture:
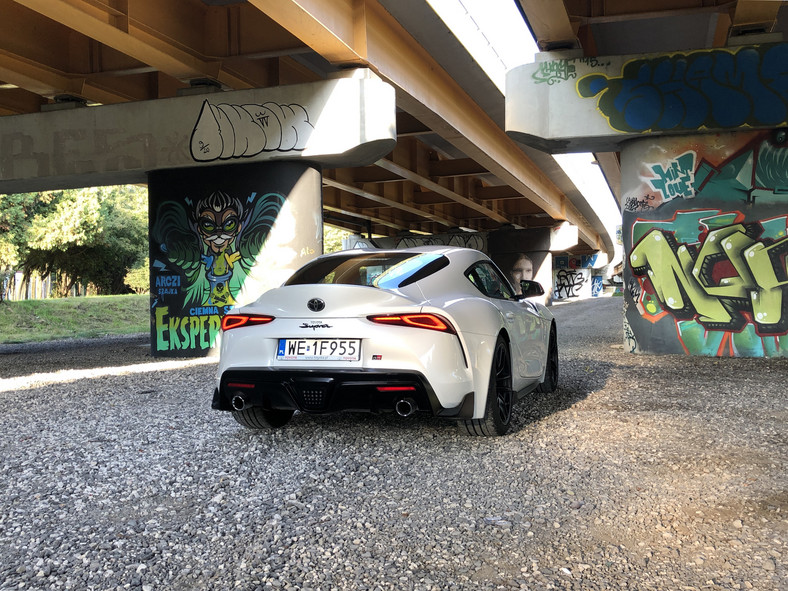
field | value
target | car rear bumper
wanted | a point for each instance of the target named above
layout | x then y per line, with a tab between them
319	392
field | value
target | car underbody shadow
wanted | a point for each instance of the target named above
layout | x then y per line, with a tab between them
589	375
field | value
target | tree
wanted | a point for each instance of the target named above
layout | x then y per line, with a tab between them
90	236
332	238
17	211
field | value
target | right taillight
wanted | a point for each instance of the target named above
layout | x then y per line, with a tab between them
428	321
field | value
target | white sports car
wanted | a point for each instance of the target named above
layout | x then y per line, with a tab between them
431	329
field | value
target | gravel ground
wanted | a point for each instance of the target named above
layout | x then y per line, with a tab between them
641	472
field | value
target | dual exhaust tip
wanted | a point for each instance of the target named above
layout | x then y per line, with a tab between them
404	407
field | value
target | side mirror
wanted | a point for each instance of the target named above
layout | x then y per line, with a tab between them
531	288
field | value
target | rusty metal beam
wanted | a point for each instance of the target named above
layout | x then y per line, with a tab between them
137	39
362	32
456	167
436	188
387	202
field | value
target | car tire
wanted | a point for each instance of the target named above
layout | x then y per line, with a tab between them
550	382
257	418
500	397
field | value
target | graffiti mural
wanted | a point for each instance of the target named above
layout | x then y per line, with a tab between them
597	286
708	266
569	283
208	236
572	276
712	89
227	131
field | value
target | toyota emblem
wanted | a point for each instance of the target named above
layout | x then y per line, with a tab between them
316	304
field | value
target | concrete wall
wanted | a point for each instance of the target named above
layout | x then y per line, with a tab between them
705	219
575	277
593	104
349	121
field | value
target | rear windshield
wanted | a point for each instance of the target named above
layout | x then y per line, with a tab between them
384	270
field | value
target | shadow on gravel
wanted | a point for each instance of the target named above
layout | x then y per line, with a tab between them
533	407
572	389
117	351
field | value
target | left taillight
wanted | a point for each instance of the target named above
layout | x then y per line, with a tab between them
230	321
428	321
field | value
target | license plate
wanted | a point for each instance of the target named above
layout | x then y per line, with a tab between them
319	349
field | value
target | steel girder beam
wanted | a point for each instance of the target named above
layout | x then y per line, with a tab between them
147	31
362	33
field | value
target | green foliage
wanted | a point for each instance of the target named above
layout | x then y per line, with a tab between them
43	320
138	278
90	236
16	215
332	238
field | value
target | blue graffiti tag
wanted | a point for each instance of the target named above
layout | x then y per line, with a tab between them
712	89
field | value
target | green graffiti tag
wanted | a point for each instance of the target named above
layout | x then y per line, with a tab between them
554	71
732	279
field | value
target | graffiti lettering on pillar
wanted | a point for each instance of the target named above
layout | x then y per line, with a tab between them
554	71
205	249
713	89
634	289
568	283
585	261
597	286
227	131
643	203
676	179
630	342
734	275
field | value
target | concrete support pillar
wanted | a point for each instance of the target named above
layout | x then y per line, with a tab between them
704	188
524	254
705	220
220	236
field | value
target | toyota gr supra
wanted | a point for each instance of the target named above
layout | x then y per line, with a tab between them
435	330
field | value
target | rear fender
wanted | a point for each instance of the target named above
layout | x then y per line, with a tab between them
481	348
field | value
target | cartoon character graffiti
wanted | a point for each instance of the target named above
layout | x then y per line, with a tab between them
219	222
214	243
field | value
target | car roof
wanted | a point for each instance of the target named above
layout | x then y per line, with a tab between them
432	248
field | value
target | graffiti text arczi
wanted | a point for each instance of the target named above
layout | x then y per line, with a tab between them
676	179
554	71
731	279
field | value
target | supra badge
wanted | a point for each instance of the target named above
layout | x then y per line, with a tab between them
314	325
316	305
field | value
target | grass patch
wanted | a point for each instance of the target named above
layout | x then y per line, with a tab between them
43	320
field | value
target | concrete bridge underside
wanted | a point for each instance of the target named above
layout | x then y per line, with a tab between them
453	165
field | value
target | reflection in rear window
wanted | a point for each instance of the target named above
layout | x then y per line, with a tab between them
384	270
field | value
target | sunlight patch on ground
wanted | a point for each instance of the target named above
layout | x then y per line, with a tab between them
71	375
